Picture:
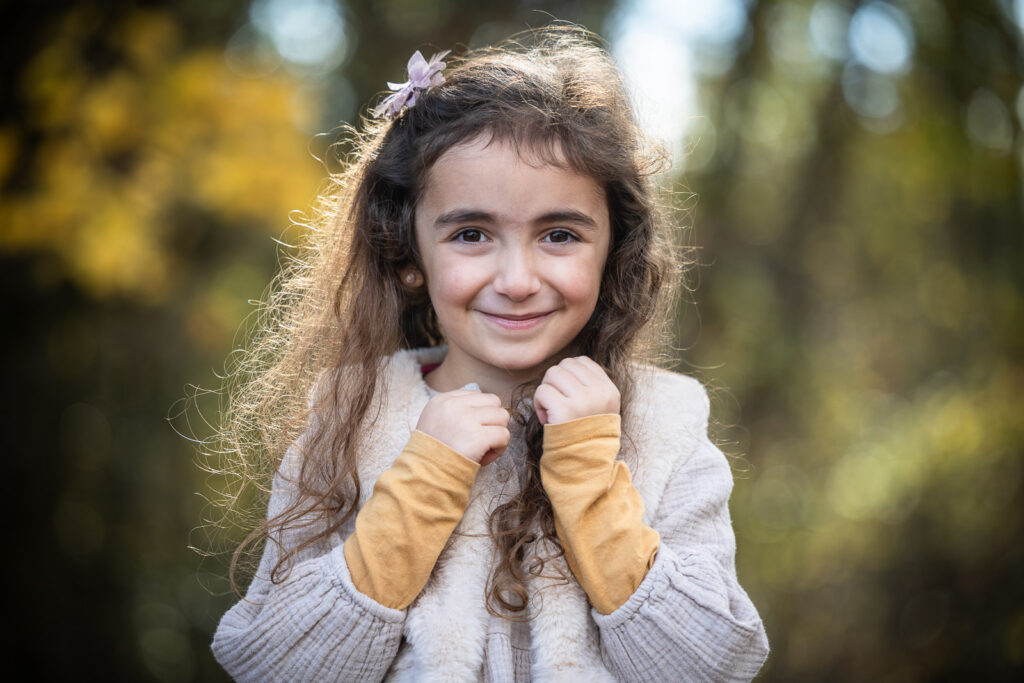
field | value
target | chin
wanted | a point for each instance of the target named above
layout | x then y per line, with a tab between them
522	363
518	366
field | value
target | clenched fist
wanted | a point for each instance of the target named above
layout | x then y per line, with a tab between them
470	422
576	387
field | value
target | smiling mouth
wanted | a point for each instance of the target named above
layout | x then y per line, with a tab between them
516	322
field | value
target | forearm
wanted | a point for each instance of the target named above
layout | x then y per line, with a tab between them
598	512
401	530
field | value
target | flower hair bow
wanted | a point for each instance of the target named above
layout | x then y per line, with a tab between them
422	75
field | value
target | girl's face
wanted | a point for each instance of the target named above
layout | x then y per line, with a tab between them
513	252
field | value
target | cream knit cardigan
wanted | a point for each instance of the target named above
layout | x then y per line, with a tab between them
688	621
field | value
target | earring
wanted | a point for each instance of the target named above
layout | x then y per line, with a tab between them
413	278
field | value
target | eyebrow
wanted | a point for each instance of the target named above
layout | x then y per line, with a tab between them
475	215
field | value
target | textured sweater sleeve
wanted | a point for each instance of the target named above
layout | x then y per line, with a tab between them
689	619
598	513
312	626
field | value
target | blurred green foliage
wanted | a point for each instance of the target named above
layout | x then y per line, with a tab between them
860	311
864	311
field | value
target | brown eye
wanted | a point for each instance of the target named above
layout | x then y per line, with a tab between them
560	236
470	235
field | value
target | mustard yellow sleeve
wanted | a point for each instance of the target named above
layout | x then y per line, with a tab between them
403	527
598	511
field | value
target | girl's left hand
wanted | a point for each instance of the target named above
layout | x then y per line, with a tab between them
576	387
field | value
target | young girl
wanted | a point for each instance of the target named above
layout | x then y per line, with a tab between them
485	483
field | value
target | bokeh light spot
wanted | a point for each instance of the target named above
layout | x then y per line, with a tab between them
721	21
652	59
882	38
870	94
661	47
988	121
829	23
305	32
789	38
250	53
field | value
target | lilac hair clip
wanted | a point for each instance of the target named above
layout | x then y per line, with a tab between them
422	75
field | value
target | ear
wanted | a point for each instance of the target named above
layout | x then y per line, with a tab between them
411	277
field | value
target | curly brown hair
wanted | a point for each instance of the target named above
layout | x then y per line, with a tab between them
338	309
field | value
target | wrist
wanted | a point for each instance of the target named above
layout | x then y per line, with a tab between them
444	456
590	427
579	455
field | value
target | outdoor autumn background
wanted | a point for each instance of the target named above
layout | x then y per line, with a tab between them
858	168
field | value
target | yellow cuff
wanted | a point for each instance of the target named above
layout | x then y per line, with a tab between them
563	434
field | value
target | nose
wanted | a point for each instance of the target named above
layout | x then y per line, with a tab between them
517	277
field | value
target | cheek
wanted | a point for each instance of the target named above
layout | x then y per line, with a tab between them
581	283
452	285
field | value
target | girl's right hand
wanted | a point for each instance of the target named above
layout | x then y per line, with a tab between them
470	422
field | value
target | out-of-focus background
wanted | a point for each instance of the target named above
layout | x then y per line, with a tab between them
858	168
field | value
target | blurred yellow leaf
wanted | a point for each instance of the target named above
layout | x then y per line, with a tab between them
124	148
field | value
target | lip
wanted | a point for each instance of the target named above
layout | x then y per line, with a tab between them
516	322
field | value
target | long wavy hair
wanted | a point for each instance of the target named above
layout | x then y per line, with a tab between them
338	309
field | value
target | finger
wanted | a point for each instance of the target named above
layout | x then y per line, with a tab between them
593	367
491	415
564	380
592	375
486	400
496	437
545	399
583	374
